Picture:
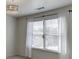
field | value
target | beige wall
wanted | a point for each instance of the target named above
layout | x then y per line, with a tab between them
15	36
10	35
69	35
21	36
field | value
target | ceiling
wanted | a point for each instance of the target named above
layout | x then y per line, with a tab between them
27	7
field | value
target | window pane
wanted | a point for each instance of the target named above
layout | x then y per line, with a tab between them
52	42
51	26
37	41
38	27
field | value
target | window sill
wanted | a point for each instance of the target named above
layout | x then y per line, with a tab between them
46	50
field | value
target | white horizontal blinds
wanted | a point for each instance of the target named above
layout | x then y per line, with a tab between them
37	40
51	26
51	34
45	32
36	32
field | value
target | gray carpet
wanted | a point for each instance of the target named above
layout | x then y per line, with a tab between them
17	57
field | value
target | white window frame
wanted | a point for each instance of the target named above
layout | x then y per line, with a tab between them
42	19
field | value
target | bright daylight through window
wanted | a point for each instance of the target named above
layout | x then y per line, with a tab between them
45	34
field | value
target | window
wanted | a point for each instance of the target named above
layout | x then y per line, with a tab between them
37	40
45	34
51	34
